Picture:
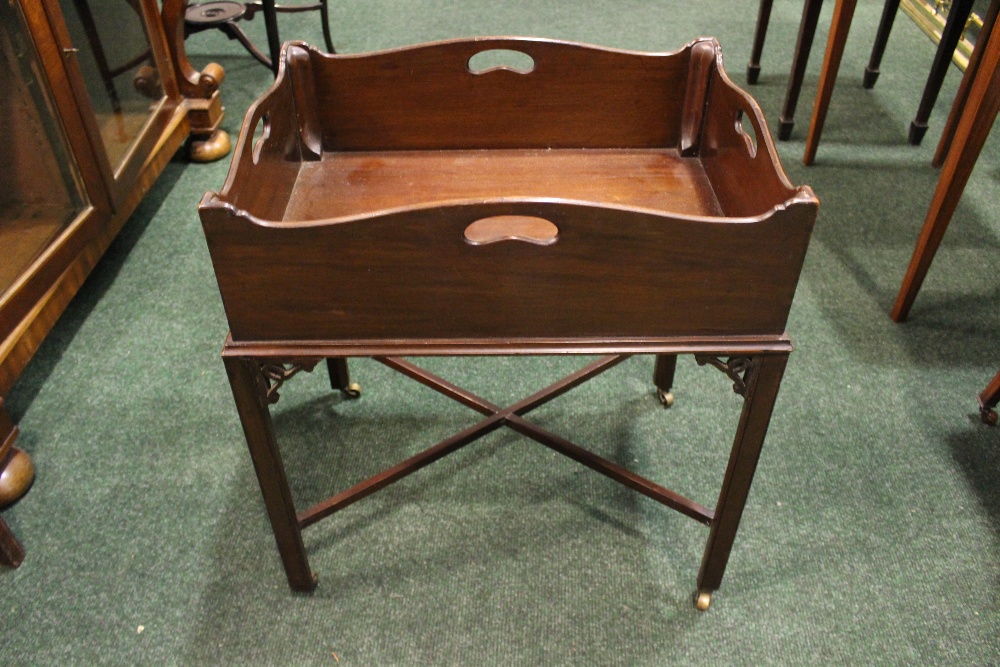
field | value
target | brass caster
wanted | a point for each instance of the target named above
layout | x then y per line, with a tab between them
666	397
352	390
211	149
702	600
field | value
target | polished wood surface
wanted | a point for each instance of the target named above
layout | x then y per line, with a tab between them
964	88
975	115
209	142
16	475
843	14
113	184
597	201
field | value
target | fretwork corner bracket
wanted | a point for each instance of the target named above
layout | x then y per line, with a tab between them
273	374
736	368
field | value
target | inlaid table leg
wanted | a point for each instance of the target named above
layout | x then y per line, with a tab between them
843	14
250	393
663	377
761	389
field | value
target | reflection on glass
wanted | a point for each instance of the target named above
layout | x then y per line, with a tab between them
118	68
39	191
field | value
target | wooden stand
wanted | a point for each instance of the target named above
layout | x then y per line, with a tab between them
201	89
597	202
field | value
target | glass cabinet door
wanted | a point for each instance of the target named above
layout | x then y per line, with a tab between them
120	73
40	191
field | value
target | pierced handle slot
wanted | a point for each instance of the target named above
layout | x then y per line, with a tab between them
491	60
526	228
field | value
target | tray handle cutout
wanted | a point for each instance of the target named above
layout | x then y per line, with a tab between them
745	129
262	130
492	60
529	229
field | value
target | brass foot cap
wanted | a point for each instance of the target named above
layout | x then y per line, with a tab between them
666	397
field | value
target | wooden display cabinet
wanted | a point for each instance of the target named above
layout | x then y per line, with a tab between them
91	114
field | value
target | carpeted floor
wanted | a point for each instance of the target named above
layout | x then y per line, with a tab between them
872	533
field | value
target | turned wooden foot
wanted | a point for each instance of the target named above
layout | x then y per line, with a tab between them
16	477
215	147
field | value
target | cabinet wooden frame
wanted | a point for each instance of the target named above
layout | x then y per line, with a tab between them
32	304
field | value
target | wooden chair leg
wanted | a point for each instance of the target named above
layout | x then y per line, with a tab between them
973	128
663	378
11	551
803	45
762	383
759	36
953	29
889	11
962	96
340	378
249	387
271	28
324	15
843	14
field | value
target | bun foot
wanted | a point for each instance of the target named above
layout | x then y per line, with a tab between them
703	600
16	476
214	148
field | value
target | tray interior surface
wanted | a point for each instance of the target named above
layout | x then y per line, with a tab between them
345	184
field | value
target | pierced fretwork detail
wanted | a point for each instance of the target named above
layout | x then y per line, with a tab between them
273	375
735	367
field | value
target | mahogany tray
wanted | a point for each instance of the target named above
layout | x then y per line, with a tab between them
567	199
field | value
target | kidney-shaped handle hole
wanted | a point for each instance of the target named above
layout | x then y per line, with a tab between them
538	231
501	59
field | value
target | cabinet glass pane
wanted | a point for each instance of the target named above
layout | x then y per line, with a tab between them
40	191
118	68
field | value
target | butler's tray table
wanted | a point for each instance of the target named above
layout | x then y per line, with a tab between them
577	200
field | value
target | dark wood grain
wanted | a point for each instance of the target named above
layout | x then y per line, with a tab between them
426	98
598	202
42	290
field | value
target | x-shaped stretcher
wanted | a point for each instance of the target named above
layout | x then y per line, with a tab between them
255	383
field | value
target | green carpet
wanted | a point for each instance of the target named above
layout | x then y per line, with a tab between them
872	533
